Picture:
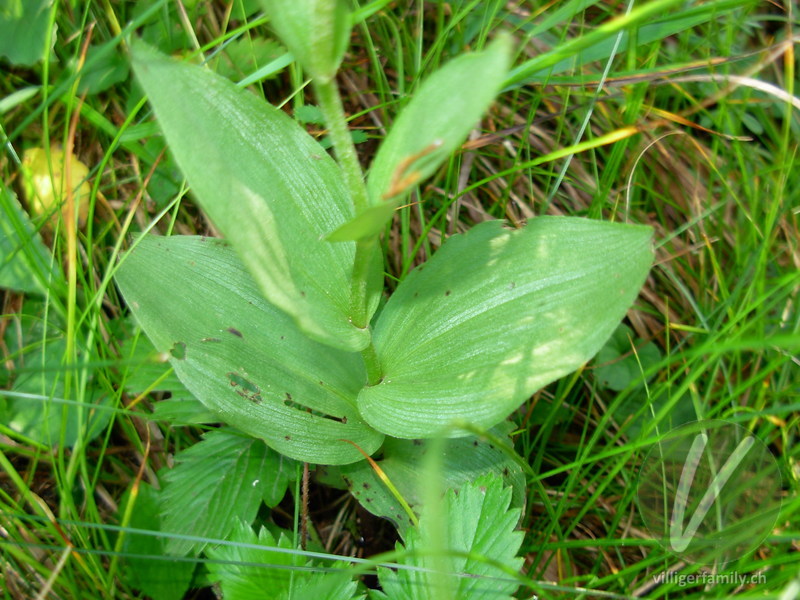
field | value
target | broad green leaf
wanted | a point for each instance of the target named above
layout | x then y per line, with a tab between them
220	479
268	186
23	30
463	460
148	567
478	529
436	121
246	572
146	370
623	360
108	68
239	355
497	314
25	263
315	31
38	406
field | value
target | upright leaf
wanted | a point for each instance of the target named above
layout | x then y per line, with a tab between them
268	186
434	123
221	479
316	31
438	119
478	529
239	355
495	315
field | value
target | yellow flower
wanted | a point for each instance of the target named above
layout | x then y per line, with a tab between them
45	181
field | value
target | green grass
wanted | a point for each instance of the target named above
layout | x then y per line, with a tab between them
720	303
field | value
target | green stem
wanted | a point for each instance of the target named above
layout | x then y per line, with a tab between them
373	365
330	102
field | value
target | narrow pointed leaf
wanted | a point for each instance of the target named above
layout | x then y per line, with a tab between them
497	314
269	187
437	120
239	355
366	224
315	31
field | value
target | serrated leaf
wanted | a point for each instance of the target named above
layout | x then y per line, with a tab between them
239	355
220	479
315	31
248	573
325	586
497	314
148	568
309	113
463	460
477	522
268	186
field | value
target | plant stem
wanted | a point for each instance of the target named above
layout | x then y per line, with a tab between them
373	365
330	102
